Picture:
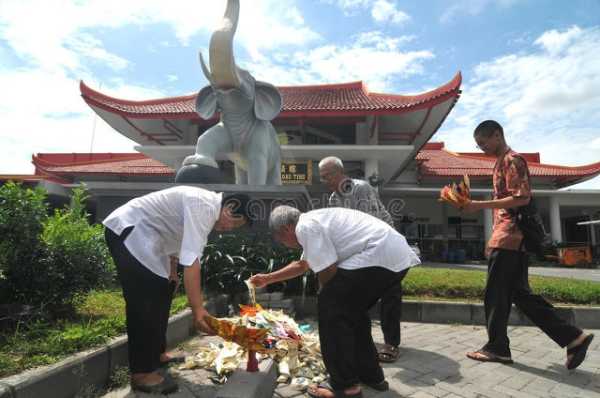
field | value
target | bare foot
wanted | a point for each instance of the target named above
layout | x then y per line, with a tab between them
165	357
322	392
486	356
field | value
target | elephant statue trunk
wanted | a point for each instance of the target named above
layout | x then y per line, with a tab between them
223	71
246	108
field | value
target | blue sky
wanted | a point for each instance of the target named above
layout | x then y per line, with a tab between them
532	65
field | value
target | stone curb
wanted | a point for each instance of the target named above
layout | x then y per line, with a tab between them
463	313
259	384
92	369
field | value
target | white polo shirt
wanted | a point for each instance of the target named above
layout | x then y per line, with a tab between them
352	240
171	222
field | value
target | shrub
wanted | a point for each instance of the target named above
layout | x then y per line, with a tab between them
229	259
50	260
76	258
22	214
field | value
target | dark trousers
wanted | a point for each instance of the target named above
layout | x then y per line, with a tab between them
390	314
147	304
507	283
347	346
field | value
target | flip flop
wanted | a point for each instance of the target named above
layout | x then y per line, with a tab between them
337	394
491	357
579	352
388	354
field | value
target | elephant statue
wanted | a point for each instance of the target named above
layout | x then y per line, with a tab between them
246	107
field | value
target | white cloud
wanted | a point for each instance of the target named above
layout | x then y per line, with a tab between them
471	8
350	6
381	10
45	113
384	10
57	43
86	46
555	41
372	57
547	100
29	29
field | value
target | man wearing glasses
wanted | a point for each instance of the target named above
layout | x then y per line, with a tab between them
360	195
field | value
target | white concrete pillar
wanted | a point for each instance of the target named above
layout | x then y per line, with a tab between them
373	127
488	221
371	166
362	133
555	224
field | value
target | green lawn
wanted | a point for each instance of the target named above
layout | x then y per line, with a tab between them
102	316
441	283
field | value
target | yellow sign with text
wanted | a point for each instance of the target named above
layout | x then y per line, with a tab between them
296	172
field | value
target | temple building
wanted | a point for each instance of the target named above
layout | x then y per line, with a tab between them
383	138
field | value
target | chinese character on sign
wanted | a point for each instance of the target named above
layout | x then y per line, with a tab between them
296	172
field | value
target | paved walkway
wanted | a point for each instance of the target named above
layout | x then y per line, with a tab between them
433	364
586	274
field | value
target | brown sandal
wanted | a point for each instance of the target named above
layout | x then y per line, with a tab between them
579	352
388	353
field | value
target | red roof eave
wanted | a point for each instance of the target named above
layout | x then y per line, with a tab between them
438	162
367	104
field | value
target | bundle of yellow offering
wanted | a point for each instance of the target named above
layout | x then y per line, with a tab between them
252	339
457	194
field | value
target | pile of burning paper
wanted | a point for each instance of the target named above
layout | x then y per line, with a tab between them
457	194
271	334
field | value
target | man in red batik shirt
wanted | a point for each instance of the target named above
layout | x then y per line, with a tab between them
507	280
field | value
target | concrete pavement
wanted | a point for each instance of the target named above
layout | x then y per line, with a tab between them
433	364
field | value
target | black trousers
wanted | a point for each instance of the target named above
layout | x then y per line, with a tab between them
390	314
147	304
507	283
347	345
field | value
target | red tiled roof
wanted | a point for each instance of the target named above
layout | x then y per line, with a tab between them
124	164
436	161
349	99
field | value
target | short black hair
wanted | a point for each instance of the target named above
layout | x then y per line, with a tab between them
487	128
239	204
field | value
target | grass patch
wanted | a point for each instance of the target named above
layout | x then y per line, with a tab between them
442	283
100	315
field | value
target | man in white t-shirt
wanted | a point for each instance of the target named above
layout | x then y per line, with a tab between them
148	237
357	258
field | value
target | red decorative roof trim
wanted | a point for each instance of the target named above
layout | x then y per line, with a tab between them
326	100
436	161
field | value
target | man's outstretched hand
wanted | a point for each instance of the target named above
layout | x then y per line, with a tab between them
259	280
201	323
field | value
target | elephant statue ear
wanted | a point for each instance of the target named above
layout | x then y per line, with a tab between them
267	103
206	103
